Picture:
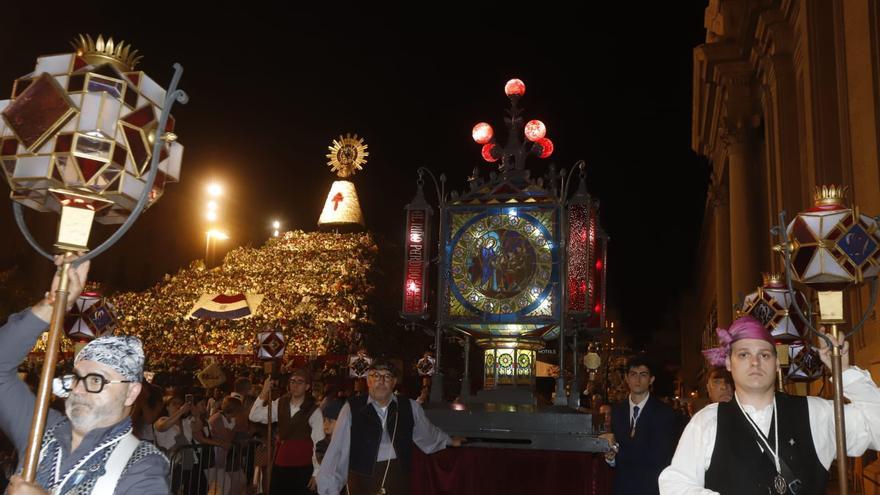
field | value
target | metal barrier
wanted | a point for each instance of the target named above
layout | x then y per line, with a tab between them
198	469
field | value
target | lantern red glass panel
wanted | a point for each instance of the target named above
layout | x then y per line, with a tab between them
546	147
417	245
482	133
487	152
578	257
515	87
535	130
596	283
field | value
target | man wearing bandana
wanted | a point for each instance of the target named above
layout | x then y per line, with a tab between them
763	441
90	449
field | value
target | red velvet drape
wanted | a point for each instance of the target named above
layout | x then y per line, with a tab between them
483	471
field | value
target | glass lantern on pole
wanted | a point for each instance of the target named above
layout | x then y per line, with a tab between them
771	305
86	136
829	248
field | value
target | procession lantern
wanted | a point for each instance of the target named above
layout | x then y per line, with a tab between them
829	248
771	305
90	317
833	246
86	136
426	365
586	259
77	137
359	364
270	345
804	363
418	248
581	250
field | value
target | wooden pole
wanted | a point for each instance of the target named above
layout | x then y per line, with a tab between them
44	390
839	418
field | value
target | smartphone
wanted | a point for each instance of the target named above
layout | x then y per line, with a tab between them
188	399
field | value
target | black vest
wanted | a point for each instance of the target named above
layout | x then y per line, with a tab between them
366	433
738	466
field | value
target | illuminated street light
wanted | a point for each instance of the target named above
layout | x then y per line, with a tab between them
211	238
276	224
211	215
217	234
215	190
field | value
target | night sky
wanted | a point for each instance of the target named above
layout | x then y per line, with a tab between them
269	89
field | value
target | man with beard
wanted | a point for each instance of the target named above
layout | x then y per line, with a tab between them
91	449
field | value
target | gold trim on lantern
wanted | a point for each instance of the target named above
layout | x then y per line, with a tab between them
98	52
772	279
830	195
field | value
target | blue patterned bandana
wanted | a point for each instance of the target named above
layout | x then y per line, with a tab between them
122	353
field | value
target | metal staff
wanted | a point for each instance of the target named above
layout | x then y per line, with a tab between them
830	313
44	390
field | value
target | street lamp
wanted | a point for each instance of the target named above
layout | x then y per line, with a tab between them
276	228
215	190
211	237
212	214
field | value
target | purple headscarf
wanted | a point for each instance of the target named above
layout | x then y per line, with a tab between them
744	327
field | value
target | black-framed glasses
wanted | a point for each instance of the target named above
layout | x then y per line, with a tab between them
385	377
93	382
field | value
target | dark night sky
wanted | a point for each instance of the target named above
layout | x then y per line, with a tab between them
271	88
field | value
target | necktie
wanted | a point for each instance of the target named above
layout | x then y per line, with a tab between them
632	427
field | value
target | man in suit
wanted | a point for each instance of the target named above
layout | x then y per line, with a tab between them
643	434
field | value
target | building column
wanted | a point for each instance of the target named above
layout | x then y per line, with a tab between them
722	254
741	200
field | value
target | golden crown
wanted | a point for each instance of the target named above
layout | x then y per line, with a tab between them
772	279
101	51
830	195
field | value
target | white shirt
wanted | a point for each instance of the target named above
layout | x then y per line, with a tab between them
167	439
686	474
334	472
259	414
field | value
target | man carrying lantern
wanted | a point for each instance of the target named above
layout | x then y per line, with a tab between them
91	449
763	441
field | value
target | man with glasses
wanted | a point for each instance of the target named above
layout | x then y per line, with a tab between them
91	449
371	447
643	434
300	428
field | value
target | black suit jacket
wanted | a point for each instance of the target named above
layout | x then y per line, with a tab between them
641	458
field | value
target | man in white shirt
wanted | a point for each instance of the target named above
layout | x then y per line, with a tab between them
766	441
300	428
371	447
